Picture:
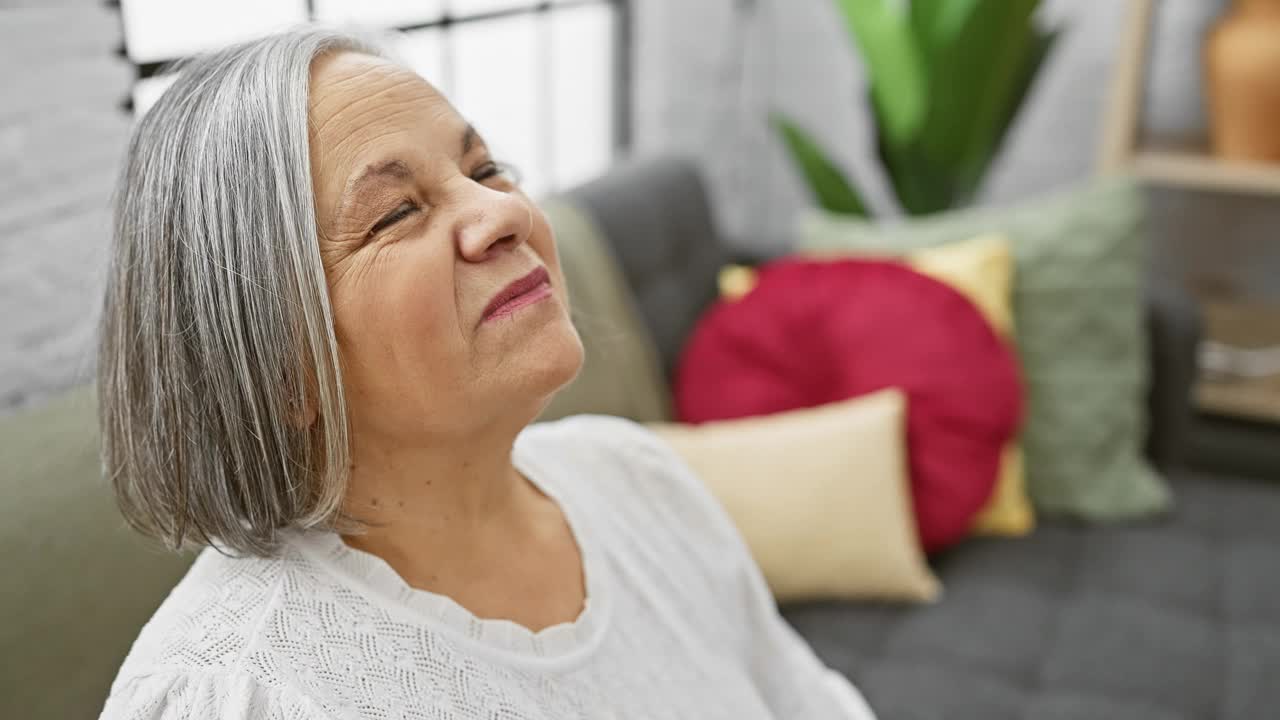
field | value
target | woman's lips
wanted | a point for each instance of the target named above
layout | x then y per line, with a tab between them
527	290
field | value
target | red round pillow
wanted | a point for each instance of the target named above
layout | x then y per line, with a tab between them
814	332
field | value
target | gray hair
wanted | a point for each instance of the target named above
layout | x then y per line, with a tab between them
217	336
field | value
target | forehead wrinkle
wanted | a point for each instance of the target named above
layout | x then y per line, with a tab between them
405	93
326	93
365	105
366	134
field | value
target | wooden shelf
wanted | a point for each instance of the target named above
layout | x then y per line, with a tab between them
1249	326
1248	400
1201	171
1186	162
1180	162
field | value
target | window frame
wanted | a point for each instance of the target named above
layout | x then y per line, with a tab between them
621	102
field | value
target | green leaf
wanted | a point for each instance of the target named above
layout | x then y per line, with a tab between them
895	66
985	148
974	76
937	23
945	80
1041	46
829	186
919	187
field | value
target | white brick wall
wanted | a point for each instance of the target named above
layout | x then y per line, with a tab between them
61	135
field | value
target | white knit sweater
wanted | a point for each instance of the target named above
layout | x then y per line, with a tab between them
678	622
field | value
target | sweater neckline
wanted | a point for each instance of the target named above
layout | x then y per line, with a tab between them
562	642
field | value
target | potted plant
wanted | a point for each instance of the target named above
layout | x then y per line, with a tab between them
945	80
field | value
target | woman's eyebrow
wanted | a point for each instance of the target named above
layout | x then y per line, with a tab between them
393	169
469	137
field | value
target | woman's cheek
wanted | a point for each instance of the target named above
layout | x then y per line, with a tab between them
543	242
419	293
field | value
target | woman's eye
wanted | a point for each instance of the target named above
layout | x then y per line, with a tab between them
405	210
490	169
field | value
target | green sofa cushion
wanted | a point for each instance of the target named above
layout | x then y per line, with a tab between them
1078	316
79	583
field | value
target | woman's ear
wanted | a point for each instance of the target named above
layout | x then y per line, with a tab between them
302	413
303	406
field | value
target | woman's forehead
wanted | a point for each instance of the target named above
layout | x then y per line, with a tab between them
364	109
350	88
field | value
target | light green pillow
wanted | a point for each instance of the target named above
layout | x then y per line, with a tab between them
621	371
1079	327
79	584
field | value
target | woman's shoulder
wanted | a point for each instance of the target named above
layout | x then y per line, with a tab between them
207	623
192	694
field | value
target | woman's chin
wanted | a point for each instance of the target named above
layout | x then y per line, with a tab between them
557	359
540	363
539	344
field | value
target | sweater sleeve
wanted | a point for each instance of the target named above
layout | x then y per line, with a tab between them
203	695
792	680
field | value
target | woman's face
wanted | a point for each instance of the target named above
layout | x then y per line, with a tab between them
448	300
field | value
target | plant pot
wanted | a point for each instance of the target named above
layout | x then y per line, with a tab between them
1242	72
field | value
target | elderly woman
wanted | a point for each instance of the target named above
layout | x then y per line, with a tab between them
330	319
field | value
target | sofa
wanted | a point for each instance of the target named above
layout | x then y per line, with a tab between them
1168	619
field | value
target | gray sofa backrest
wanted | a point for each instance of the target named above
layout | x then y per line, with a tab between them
657	218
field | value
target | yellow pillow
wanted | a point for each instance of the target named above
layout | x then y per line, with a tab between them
821	496
981	269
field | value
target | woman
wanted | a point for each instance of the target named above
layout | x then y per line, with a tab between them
331	317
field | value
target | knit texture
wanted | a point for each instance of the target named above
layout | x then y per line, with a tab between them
678	622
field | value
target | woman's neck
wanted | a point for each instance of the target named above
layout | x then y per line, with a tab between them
436	494
455	517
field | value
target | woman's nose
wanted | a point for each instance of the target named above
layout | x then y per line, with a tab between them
495	222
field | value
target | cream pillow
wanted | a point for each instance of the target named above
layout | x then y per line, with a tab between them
821	496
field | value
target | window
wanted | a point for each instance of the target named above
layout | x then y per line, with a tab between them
540	80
